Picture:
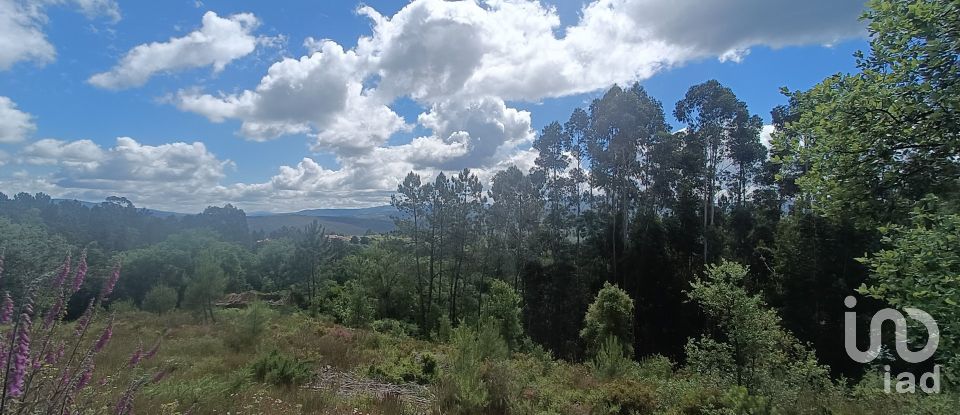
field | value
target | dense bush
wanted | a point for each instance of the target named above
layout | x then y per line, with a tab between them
610	314
279	369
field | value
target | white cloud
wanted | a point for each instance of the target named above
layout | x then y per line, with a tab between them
94	8
165	175
21	35
320	93
21	27
460	61
15	125
724	27
216	43
766	134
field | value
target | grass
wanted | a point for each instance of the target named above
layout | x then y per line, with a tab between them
205	376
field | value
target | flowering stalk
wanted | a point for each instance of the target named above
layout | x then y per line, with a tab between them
111	283
81	272
18	356
6	311
104	337
62	275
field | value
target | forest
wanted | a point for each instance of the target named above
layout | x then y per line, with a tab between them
638	268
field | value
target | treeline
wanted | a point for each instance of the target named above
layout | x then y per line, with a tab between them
615	196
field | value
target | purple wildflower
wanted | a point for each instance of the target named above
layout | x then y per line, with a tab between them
137	355
81	272
6	311
84	377
104	337
152	352
84	321
53	314
53	356
22	356
125	404
62	276
112	282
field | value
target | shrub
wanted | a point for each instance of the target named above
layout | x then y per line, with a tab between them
353	306
627	397
160	299
611	314
466	386
395	328
279	369
609	361
419	368
245	332
503	309
757	352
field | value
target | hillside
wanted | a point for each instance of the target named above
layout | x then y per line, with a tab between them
346	225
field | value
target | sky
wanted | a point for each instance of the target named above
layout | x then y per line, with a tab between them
282	106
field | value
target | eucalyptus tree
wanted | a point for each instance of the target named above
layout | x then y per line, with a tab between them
715	117
552	144
623	125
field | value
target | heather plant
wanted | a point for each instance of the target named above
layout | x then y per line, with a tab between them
48	368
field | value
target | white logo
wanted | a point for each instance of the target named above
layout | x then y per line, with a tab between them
906	382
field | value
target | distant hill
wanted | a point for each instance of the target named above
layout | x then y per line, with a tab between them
346	225
377	219
359	221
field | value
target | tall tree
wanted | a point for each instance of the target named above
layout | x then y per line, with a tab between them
715	117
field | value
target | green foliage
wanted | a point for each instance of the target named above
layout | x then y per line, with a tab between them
626	397
610	315
755	351
247	329
870	143
206	285
920	268
279	369
732	401
353	306
502	308
467	383
160	299
609	361
421	368
395	328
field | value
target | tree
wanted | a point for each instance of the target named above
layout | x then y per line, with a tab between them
751	349
715	117
160	299
354	307
878	140
205	286
919	267
610	315
502	309
410	201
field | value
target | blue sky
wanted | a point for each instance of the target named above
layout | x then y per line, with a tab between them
433	86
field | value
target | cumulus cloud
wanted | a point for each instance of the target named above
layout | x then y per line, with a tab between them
162	175
216	43
15	125
462	62
21	35
730	27
21	27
